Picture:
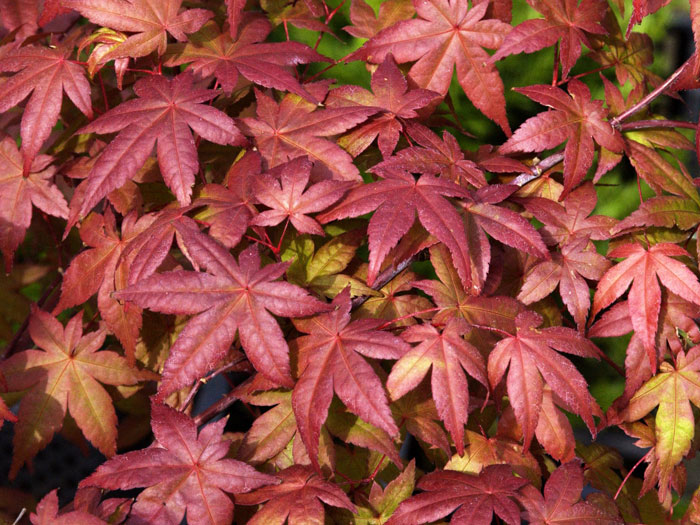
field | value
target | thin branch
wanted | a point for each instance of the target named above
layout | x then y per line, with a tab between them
647	124
221	405
10	348
654	94
383	279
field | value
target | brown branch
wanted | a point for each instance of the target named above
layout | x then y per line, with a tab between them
11	346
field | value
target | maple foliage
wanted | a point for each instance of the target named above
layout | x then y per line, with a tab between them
181	461
415	314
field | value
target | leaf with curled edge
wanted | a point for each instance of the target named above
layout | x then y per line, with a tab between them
232	297
672	390
329	358
183	472
65	375
533	357
643	269
284	190
474	498
296	127
213	52
561	501
46	73
152	21
665	212
482	451
448	355
19	192
162	115
396	103
298	500
577	261
566	22
397	199
574	118
47	513
447	34
366	24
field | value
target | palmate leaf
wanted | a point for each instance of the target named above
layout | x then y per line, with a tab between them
19	191
560	503
644	269
151	20
183	471
234	296
574	118
366	24
289	199
532	356
437	156
330	363
212	52
65	375
229	208
390	94
297	500
672	390
565	21
45	73
163	114
475	498
296	127
577	261
448	354
397	198
47	513
446	35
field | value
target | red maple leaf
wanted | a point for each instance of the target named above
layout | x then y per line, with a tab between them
18	191
184	472
577	261
288	199
561	502
163	113
296	127
437	156
644	269
297	500
233	297
47	513
532	356
151	21
62	376
229	207
366	24
565	21
475	498
574	118
570	219
330	363
446	35
480	311
447	353
213	52
397	198
392	97
46	73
